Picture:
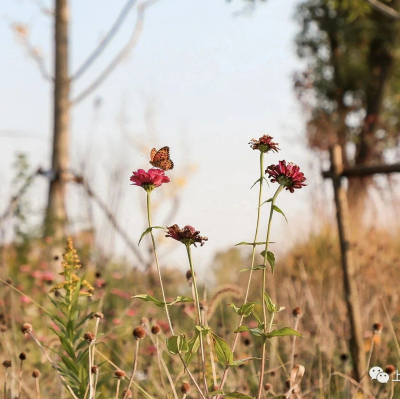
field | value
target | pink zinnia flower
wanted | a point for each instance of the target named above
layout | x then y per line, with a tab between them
149	180
287	175
188	235
264	144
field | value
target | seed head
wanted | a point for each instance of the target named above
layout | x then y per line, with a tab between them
120	374
22	356
390	369
296	312
185	388
26	328
94	369
139	333
3	328
98	315
36	374
128	393
89	337
377	328
7	363
155	329
267	387
344	357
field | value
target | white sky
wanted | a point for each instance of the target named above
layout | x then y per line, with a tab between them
208	76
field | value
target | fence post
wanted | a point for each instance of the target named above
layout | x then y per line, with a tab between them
350	288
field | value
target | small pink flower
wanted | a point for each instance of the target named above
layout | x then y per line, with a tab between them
131	312
25	300
287	175
149	180
48	276
188	235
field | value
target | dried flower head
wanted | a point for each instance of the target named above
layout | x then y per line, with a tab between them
287	175
139	332
127	393
94	369
26	328
120	374
390	369
188	235
7	363
189	276
3	328
344	357
264	144
155	329
98	315
296	312
267	387
36	374
377	328
149	180
185	388
89	337
22	356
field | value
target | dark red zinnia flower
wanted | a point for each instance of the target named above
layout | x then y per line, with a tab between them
287	175
188	235
264	144
149	180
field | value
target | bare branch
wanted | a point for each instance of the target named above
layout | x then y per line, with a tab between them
110	217
120	56
384	9
103	44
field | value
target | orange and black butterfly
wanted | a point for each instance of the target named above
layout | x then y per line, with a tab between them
160	159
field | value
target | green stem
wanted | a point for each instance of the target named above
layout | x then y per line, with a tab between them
199	318
163	294
253	256
260	386
157	263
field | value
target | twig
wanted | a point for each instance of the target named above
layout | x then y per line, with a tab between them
134	368
384	9
106	40
120	56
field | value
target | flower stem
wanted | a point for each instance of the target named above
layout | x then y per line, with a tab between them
134	368
157	263
163	294
253	255
260	386
199	319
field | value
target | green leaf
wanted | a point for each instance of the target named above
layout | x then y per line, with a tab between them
193	346
245	310
275	208
268	200
161	304
270	304
147	231
282	332
237	395
223	351
258	180
260	267
177	344
239	362
257	332
250	243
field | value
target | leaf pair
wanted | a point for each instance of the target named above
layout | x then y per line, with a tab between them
161	304
147	231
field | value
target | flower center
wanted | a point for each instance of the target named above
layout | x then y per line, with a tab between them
149	187
285	181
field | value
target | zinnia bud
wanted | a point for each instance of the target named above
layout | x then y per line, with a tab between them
185	388
26	328
120	374
155	329
36	374
139	333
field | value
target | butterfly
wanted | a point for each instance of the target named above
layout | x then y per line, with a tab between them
160	159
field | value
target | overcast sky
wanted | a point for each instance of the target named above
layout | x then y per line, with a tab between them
209	75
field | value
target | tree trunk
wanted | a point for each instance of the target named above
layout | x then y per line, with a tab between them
56	215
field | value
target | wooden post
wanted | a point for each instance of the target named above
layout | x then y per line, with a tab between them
350	288
56	215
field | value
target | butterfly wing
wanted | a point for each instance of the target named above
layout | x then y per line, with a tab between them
160	159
